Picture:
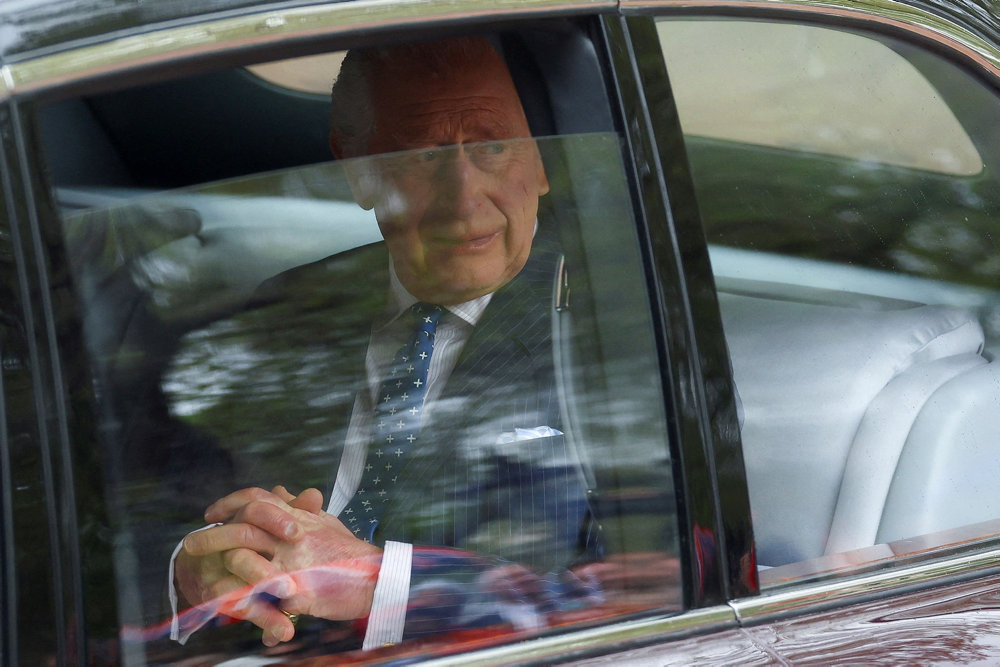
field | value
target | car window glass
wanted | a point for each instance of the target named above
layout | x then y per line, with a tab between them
852	229
241	314
820	91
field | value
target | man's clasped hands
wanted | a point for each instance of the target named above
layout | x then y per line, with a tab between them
282	544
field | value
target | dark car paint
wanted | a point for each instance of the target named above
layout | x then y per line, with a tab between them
28	26
957	624
31	25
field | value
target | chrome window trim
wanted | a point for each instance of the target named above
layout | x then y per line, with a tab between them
605	638
887	13
802	599
262	28
794	600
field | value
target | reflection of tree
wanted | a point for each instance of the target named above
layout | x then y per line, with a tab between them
208	390
864	214
265	384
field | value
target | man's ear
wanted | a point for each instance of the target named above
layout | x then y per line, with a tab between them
360	175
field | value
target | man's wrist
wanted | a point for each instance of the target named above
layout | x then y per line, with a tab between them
172	590
390	597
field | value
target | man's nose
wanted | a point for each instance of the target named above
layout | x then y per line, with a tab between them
460	182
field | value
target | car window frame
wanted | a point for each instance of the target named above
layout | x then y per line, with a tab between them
36	86
720	546
705	553
42	462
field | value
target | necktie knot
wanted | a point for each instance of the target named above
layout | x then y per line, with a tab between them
427	316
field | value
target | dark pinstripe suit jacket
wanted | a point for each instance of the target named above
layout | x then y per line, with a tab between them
521	501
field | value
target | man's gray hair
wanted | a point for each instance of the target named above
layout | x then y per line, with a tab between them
352	119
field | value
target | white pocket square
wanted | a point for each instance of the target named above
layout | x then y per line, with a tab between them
535	446
519	434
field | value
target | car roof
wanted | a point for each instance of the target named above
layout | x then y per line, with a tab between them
29	26
40	26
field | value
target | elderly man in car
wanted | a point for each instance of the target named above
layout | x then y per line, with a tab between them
435	140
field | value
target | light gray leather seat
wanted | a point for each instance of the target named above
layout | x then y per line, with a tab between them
833	396
889	436
949	472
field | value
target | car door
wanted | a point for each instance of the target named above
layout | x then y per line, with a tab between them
168	184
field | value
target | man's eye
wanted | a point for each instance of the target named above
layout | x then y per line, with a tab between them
428	156
493	149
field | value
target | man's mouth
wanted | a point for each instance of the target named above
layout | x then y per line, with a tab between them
472	243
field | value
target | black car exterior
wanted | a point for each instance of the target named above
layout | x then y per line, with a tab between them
599	68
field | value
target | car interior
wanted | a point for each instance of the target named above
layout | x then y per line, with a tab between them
869	382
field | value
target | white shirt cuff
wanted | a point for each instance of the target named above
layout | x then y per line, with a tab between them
392	593
175	632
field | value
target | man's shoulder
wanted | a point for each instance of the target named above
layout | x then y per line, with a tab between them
354	276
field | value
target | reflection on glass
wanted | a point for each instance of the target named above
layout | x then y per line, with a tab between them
232	327
811	89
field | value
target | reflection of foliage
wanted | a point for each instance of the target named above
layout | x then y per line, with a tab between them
322	181
889	218
274	384
942	249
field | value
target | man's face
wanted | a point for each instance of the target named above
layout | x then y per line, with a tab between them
458	212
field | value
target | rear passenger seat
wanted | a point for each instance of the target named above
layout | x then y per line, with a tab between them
949	472
865	421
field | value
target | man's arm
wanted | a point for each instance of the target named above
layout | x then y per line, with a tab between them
445	589
304	569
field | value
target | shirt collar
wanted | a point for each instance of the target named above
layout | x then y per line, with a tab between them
400	300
